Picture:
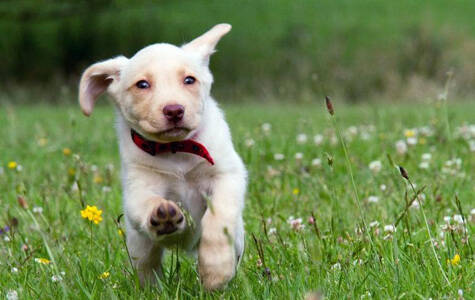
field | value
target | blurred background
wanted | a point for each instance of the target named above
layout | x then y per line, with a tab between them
293	51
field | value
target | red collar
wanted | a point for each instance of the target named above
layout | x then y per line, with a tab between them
154	148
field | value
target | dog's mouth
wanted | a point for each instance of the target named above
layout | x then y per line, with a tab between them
173	134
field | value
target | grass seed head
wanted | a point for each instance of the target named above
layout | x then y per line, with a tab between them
403	172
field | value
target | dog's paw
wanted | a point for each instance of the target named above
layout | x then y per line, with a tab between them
216	261
166	218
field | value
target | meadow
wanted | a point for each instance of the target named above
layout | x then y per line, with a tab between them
328	211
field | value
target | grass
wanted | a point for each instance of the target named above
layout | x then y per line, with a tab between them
284	259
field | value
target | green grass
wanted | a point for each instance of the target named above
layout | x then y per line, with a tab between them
334	257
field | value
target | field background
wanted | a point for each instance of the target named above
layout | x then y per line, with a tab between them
318	218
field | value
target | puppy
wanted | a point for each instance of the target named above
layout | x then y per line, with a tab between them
183	182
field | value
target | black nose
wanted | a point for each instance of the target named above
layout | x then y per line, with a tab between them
174	112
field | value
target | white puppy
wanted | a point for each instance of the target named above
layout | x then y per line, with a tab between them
183	182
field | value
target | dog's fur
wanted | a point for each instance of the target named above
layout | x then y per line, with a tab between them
212	195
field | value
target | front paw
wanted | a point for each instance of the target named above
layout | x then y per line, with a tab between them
166	218
216	260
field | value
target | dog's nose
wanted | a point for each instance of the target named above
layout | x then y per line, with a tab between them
174	112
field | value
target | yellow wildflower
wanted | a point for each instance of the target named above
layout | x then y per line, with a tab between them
12	165
67	151
409	133
454	261
120	232
72	171
295	191
42	142
92	214
104	275
98	179
43	261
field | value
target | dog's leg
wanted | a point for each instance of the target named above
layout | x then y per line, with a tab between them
145	255
222	239
150	218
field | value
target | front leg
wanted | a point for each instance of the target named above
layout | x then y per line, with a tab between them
149	219
222	239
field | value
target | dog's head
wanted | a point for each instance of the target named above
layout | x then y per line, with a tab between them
161	91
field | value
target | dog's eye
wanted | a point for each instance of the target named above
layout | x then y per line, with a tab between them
142	84
189	80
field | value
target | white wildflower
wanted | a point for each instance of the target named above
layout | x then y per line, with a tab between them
279	156
375	166
383	187
336	266
272	230
318	139
38	210
14	270
94	168
374	224
249	143
373	199
106	189
12	295
6	238
411	141
389	228
447	219
56	278
424	165
426	156
317	162
298	156
458	219
401	147
266	127
302	138
74	187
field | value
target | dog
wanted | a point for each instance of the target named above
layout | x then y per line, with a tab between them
183	182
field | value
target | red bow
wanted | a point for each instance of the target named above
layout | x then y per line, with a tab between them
154	148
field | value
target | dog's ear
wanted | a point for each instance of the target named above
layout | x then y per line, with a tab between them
97	79
205	44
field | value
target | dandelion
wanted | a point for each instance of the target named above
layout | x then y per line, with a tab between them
12	165
67	151
92	214
104	275
375	166
42	261
454	260
409	133
401	147
279	156
373	199
301	138
295	191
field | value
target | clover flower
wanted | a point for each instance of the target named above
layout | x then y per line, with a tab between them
92	214
375	166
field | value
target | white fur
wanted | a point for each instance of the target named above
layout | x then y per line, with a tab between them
187	179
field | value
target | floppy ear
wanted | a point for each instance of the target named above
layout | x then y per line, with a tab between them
96	80
205	44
